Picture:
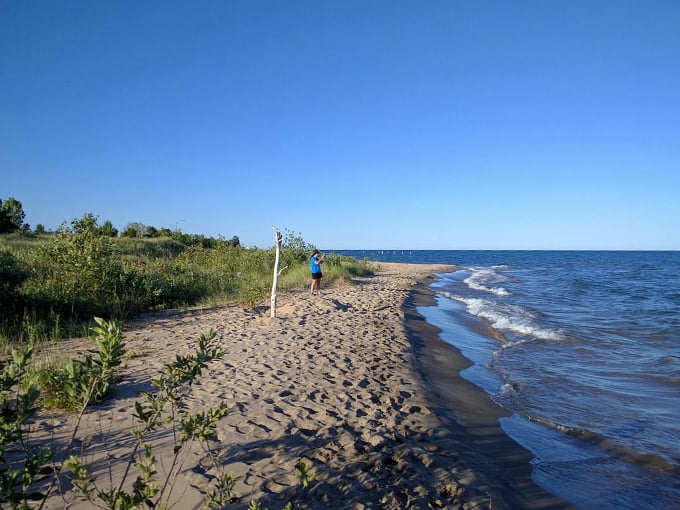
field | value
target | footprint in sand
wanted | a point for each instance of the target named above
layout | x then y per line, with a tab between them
307	411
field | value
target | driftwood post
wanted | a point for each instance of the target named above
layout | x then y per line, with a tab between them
278	238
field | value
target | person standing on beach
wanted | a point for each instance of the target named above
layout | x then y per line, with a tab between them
315	264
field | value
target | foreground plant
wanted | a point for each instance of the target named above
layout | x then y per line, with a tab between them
304	473
78	383
20	468
163	407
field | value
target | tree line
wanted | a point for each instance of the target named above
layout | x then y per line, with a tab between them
12	218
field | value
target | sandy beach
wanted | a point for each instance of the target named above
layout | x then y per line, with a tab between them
354	382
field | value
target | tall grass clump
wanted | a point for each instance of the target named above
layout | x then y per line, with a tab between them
343	267
148	248
19	243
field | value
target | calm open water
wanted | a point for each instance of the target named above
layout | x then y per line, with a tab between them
584	349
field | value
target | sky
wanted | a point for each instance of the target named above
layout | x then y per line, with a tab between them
358	124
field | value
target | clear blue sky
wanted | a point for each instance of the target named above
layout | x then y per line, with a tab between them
359	124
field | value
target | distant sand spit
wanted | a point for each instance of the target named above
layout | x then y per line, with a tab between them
353	381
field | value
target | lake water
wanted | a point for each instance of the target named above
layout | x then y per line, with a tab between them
584	349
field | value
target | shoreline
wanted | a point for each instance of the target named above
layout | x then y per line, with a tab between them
470	413
355	382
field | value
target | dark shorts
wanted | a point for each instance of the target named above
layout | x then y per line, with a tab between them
316	276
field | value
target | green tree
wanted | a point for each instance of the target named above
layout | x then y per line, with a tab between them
11	215
80	271
108	230
85	225
294	248
134	229
129	231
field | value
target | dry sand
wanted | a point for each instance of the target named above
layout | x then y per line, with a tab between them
354	381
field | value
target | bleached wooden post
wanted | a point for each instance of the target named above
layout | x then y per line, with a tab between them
278	237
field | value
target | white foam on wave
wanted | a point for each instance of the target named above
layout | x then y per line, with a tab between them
507	317
508	389
483	278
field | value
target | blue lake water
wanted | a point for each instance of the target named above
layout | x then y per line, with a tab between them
584	349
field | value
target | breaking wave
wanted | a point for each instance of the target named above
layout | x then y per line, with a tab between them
507	317
484	278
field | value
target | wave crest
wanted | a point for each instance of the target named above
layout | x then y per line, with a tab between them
507	317
484	278
614	448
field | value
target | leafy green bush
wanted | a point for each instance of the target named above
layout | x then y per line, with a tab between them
294	249
163	407
76	273
21	468
76	383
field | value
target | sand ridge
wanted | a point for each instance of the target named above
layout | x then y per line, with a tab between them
331	379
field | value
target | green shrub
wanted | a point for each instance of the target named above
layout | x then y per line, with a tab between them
294	249
21	468
74	273
164	407
76	383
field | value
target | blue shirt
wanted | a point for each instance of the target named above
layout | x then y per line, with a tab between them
314	264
